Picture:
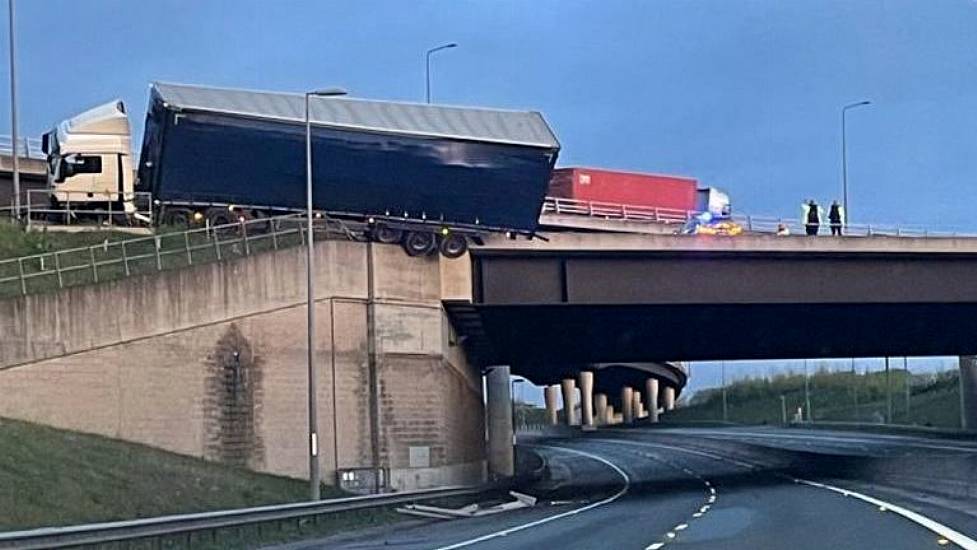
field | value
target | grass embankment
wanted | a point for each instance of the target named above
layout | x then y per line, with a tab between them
54	477
934	399
15	242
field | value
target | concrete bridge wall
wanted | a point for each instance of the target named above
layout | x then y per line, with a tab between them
210	362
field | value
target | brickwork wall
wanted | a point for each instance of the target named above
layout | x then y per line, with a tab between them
211	362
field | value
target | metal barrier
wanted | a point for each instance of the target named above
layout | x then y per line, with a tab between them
38	206
187	524
606	210
122	258
754	224
27	147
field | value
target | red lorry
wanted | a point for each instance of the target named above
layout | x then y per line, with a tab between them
618	187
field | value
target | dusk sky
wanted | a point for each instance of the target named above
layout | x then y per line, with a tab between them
744	95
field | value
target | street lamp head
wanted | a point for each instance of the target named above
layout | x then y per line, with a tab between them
326	92
856	104
442	47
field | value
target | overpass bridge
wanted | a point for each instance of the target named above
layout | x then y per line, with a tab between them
555	308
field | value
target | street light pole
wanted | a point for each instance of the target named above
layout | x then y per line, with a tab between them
844	155
13	114
427	72
314	476
725	403
807	393
888	393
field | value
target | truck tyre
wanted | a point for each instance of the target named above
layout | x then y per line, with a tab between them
178	218
388	235
219	216
417	243
453	245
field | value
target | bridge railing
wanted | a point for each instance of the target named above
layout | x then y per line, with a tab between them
114	259
754	224
607	210
27	147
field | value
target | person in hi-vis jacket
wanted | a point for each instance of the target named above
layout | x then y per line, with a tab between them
836	217
811	215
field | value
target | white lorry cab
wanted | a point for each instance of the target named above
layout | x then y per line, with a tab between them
90	165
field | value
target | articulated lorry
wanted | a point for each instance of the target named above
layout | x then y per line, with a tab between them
429	177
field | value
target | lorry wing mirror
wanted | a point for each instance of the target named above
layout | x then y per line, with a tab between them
46	144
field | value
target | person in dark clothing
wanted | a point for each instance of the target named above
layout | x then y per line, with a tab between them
812	221
836	216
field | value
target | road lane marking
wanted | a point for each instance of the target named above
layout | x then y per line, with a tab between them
943	531
655	546
524	526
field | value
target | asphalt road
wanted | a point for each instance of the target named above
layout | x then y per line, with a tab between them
676	488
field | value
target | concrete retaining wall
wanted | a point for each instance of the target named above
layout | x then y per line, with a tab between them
210	362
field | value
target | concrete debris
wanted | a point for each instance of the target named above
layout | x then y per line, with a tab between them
469	511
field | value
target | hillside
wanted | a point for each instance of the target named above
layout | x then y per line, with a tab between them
56	477
934	399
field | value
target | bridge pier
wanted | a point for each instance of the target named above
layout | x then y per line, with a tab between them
669	395
549	395
627	405
611	418
638	408
968	392
501	461
587	399
651	387
600	403
569	387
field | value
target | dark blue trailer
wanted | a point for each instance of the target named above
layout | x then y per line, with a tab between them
415	171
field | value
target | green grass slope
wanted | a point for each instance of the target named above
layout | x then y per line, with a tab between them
55	477
934	399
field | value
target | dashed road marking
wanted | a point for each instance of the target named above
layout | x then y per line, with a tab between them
943	531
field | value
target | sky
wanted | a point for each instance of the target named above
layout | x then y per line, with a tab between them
744	95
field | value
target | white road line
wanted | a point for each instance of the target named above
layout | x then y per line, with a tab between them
957	538
655	546
517	528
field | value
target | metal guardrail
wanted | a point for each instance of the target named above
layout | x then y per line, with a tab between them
187	524
122	258
27	147
606	210
38	206
755	224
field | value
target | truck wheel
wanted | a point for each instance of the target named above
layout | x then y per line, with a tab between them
388	235
218	216
453	245
178	218
417	243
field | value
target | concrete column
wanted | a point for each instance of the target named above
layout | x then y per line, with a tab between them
600	404
569	400
968	392
669	398
499	404
638	410
651	388
549	395
627	404
587	398
611	418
